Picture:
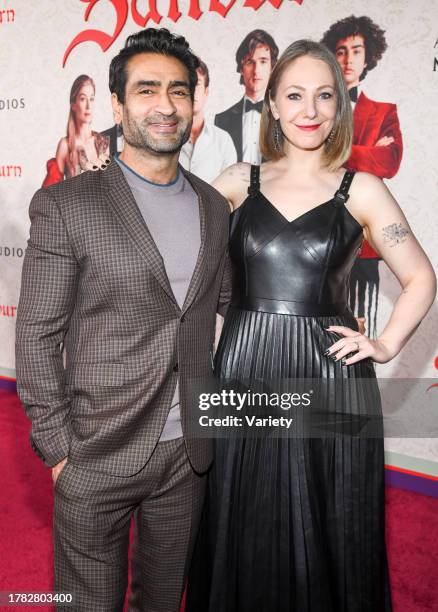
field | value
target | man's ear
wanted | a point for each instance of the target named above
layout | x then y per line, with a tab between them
117	109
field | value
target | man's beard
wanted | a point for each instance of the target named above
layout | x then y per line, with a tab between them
137	134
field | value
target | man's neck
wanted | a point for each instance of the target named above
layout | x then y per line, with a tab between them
254	97
197	127
154	167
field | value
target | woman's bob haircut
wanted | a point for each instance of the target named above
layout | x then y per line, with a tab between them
337	147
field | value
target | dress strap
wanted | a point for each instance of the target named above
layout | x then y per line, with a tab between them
341	196
254	184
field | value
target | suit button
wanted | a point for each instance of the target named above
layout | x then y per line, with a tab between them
182	319
175	367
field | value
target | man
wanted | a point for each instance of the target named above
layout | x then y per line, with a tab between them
209	149
255	58
126	268
359	44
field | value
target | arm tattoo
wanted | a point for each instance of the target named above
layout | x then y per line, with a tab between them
244	175
394	234
241	172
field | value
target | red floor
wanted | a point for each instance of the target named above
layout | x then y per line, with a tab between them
25	527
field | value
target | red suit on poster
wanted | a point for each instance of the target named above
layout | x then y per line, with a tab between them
372	122
359	44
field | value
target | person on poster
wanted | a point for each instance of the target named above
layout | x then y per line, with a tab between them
358	44
82	148
255	58
115	135
209	149
295	519
126	268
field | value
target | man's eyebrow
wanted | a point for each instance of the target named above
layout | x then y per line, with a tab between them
179	84
250	58
152	83
356	46
145	83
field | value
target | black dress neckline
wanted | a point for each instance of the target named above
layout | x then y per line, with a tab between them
254	190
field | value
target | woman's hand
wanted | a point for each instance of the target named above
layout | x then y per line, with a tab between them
359	344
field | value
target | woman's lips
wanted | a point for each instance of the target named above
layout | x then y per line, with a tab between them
308	128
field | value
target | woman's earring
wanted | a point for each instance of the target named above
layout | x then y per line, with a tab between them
331	136
277	140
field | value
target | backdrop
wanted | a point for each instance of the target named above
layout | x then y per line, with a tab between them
46	45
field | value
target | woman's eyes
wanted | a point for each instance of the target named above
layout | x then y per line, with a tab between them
325	95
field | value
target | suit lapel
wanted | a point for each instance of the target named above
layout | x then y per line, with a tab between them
237	111
198	272
362	113
130	218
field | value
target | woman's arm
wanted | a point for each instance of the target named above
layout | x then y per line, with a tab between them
388	232
233	184
61	154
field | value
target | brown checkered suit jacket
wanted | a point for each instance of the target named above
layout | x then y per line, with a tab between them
94	281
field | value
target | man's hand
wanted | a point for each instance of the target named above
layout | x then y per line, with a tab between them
384	141
57	469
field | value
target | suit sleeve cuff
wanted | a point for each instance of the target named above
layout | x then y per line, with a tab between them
222	308
54	448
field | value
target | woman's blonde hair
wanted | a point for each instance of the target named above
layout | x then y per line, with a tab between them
72	158
337	147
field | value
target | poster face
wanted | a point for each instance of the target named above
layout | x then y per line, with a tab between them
56	119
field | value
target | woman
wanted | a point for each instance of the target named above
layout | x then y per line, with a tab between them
297	523
82	148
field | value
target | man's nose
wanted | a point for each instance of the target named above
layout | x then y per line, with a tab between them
164	104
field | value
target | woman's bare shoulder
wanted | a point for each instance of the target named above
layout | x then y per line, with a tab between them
62	145
233	183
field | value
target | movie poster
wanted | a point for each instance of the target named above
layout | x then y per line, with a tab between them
56	119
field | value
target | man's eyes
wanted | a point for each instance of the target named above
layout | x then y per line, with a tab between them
178	92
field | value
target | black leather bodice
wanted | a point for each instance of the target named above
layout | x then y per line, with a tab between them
300	267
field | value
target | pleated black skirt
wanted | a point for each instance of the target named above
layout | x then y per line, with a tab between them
292	524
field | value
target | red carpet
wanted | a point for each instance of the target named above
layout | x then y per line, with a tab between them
26	515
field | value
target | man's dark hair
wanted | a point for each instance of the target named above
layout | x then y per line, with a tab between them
250	42
203	69
374	38
151	40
